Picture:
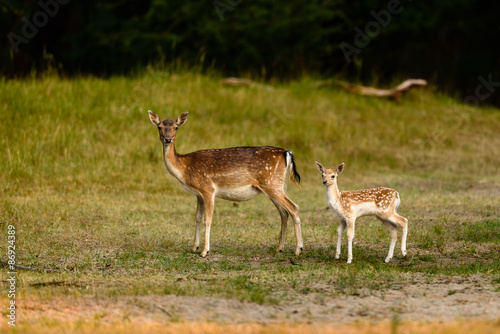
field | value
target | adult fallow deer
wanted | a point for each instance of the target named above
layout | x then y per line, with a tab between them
234	174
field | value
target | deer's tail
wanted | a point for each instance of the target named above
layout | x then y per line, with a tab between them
292	169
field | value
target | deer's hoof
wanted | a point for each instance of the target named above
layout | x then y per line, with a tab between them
196	248
298	251
204	254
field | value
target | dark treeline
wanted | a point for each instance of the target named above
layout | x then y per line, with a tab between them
454	44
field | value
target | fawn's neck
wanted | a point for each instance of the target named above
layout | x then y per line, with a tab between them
172	162
333	194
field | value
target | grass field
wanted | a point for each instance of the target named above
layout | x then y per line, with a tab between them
84	185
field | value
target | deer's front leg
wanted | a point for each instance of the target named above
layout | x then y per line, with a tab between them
350	236
209	211
200	210
340	231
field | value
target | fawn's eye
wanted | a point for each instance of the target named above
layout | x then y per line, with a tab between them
333	176
176	127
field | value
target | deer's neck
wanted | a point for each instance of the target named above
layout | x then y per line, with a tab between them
333	196
173	162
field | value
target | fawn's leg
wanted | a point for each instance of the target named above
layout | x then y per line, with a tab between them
403	222
394	237
340	231
350	235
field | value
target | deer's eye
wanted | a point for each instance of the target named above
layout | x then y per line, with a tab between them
333	176
176	127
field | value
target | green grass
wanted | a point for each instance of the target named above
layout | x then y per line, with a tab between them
83	182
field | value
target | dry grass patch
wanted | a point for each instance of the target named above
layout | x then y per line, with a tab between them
94	327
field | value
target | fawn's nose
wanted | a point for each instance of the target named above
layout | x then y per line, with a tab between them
325	182
167	140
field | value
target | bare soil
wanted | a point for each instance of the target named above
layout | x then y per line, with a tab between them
425	299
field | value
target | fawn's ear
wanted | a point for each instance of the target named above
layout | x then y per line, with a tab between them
154	118
182	118
320	167
340	168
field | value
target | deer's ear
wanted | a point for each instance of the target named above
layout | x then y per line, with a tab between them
320	167
154	118
340	168
182	118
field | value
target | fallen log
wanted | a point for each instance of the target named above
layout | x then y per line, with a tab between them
394	93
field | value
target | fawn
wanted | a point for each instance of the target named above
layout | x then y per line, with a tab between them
380	202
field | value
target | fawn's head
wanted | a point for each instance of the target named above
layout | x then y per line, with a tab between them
330	175
167	128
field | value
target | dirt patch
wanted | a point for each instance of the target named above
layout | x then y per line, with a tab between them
424	299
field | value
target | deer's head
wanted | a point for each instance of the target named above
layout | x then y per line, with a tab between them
329	175
167	128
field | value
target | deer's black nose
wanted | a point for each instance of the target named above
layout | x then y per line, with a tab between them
325	182
168	140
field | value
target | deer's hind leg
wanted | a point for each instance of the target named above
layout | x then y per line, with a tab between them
393	221
393	228
284	223
403	223
404	227
282	199
399	221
